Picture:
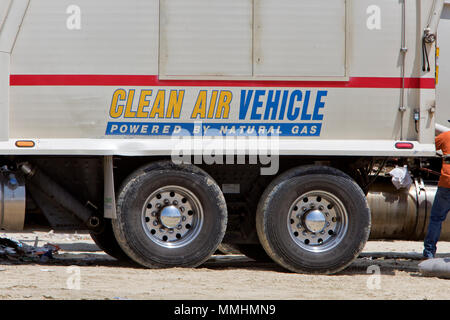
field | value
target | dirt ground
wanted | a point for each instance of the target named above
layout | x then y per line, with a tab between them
82	271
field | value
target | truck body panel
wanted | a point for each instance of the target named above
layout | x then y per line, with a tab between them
131	74
442	92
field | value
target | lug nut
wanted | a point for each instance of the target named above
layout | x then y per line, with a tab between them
175	202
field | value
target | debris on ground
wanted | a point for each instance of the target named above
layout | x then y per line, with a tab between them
18	251
439	268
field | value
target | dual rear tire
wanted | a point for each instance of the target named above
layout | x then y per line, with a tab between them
170	216
316	223
309	220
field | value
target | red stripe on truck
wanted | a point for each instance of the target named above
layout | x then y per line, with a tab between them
154	81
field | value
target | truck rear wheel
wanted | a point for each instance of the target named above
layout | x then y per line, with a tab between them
316	223
169	216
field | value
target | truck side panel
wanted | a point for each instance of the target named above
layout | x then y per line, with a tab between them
105	81
442	93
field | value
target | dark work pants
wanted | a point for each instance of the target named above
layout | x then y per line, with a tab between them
439	211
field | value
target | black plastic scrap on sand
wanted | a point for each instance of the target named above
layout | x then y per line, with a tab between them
19	251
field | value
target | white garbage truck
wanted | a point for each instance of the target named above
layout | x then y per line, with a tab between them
167	127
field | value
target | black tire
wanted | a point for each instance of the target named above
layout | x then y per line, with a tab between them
106	241
275	224
307	170
202	238
254	251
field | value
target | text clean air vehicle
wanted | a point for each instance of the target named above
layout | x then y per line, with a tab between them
165	127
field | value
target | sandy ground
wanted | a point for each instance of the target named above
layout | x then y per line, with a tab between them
82	271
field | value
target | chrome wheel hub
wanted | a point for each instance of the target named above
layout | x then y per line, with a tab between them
172	216
317	221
